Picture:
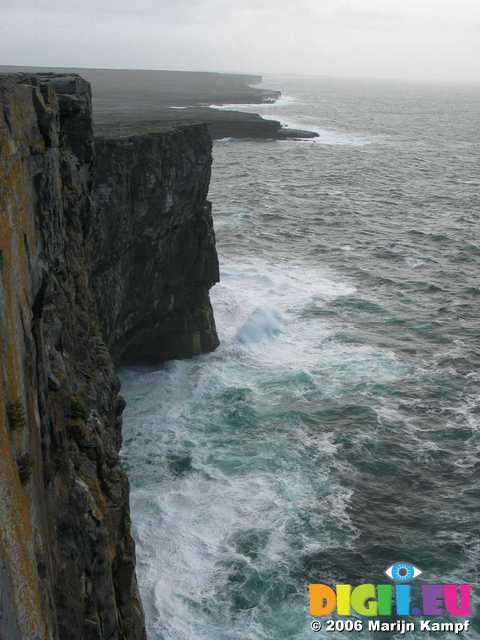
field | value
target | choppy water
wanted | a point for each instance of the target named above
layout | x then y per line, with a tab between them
336	429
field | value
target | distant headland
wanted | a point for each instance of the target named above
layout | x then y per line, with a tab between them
128	102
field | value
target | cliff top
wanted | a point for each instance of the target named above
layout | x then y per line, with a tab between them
129	102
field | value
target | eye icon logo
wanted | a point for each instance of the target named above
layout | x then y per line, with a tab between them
372	600
402	572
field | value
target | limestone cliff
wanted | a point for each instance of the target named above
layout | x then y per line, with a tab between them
76	280
154	252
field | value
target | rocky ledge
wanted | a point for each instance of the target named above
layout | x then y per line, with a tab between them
221	124
107	254
132	102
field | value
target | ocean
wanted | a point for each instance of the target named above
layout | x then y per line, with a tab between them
335	431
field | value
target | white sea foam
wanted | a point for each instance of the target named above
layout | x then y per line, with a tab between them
325	136
246	482
262	323
301	404
283	101
246	485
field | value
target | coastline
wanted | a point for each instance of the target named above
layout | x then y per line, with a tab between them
84	221
129	103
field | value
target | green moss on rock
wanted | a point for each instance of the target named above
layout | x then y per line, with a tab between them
16	416
78	410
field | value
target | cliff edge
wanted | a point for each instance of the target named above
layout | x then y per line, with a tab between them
102	253
154	258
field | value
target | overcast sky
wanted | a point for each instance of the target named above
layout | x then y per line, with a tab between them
408	39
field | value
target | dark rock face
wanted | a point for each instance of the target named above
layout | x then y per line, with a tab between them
154	251
146	98
221	124
67	294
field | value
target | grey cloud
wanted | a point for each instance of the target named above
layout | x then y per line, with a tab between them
414	39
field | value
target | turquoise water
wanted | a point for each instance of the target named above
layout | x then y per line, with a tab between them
336	429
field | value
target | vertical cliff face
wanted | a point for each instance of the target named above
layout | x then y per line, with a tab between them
67	554
67	559
154	249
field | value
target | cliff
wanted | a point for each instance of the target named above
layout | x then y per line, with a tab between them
131	102
154	257
221	123
140	89
80	282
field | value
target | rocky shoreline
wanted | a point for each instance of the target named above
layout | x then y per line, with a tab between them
127	103
107	253
221	124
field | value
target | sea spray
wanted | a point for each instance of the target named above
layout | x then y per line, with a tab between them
336	427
